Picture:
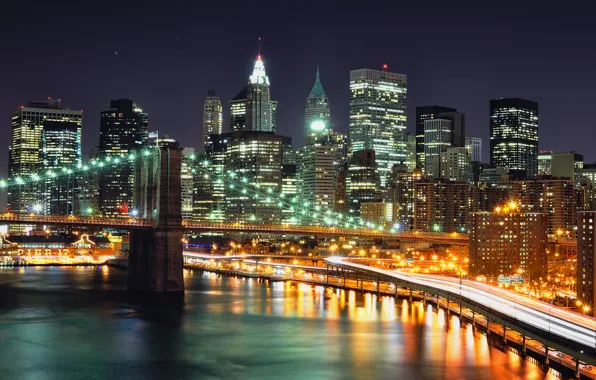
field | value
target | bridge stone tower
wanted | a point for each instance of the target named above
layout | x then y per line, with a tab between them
155	259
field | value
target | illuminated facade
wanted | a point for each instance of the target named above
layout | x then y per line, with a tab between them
508	241
212	116
319	165
26	153
61	146
545	159
456	164
257	159
187	183
422	114
586	259
238	111
441	206
514	135
437	138
553	196
378	117
316	115
289	188
401	194
362	182
474	145
123	130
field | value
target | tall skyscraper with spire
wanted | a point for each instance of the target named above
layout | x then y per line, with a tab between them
212	116
316	114
252	109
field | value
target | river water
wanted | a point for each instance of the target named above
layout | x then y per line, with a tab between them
80	323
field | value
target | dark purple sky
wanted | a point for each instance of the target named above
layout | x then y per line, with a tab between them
169	55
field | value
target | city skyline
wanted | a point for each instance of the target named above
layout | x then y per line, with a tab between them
185	77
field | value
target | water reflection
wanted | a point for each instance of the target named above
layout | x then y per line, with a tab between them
233	328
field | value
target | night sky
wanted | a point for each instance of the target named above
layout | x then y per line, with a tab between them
169	55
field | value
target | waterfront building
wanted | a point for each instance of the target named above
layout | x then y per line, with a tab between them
26	150
401	194
187	183
586	260
60	148
440	205
514	136
508	241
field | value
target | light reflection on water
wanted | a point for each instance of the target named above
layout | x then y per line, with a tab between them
235	328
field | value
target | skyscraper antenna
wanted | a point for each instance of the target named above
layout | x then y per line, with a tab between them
259	47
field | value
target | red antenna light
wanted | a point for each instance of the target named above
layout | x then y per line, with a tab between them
385	66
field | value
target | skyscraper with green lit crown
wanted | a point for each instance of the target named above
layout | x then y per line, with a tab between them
316	114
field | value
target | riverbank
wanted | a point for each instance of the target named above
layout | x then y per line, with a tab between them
500	337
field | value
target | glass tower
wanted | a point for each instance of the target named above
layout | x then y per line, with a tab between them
26	150
378	117
514	135
259	106
123	129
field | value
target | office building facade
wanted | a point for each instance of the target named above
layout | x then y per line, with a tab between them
378	117
474	145
26	150
586	259
508	241
514	136
212	116
123	130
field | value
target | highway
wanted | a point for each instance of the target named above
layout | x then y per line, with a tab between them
566	324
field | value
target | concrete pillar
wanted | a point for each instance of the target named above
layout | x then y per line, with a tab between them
410	293
546	355
155	262
473	318
378	290
327	274
577	374
524	350
396	291
504	334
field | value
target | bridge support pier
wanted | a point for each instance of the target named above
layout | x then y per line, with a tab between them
155	258
524	350
397	291
577	374
410	293
504	334
378	290
546	355
473	318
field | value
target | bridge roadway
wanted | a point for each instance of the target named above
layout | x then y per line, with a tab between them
453	238
568	332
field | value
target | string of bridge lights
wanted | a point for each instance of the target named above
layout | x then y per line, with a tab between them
107	162
237	180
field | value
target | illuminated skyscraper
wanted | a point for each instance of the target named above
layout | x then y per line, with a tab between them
123	130
363	181
378	117
61	147
438	137
212	116
252	109
514	135
422	114
259	107
316	115
26	149
257	159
